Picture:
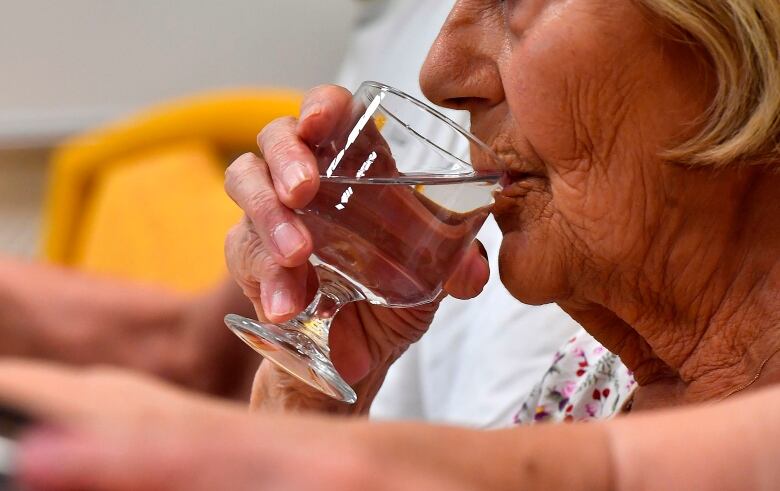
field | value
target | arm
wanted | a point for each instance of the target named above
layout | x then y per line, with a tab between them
53	312
60	314
732	445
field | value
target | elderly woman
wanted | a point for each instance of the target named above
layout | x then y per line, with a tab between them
642	141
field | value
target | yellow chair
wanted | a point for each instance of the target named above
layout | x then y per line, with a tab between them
142	199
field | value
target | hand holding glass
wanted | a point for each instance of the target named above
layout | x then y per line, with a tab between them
397	208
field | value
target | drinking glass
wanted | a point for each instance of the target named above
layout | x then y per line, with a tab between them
398	205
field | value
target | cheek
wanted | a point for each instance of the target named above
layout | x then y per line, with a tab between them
606	212
539	112
542	75
554	240
574	75
583	198
533	268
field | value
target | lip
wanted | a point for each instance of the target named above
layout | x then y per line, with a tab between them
515	167
510	177
519	164
515	183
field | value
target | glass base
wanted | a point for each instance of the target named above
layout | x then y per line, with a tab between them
295	353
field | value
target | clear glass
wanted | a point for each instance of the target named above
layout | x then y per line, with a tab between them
398	206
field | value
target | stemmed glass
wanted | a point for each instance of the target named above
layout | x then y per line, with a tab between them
399	204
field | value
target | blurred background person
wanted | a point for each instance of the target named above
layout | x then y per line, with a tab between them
132	200
111	173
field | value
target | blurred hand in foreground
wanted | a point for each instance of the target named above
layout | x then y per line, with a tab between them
67	316
107	430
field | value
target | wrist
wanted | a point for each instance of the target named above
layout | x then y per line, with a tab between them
276	390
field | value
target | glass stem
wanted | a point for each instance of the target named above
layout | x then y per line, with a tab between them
333	294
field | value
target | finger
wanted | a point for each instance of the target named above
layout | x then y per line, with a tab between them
324	107
290	161
57	393
471	276
329	120
283	234
50	459
116	459
27	385
277	293
150	455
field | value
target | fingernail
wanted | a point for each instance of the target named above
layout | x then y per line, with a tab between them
311	110
282	303
288	239
294	175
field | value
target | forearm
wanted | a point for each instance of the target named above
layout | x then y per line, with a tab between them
733	445
52	312
728	446
571	457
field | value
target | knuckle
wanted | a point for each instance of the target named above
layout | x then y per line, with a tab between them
235	235
234	243
282	148
259	264
240	170
318	90
326	94
243	161
315	91
279	127
247	259
263	207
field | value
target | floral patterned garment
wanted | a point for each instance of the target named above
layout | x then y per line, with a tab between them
585	382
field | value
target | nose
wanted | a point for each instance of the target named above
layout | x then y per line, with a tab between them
461	71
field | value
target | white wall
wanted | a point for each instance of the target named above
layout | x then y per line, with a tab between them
69	64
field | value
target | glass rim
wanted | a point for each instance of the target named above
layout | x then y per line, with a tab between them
445	119
424	178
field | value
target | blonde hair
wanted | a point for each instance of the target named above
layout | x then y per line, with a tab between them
742	39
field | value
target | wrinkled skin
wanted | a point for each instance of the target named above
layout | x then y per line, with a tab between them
583	96
364	339
672	268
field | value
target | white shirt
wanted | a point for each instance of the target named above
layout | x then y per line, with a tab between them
482	357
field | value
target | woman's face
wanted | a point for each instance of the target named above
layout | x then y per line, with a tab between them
578	97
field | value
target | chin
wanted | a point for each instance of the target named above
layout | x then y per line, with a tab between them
528	270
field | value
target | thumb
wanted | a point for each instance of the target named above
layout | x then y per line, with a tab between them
471	275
